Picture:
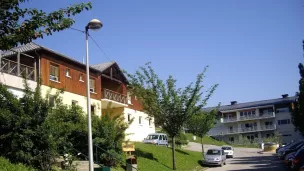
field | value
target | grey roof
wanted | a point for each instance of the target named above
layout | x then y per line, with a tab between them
103	66
254	104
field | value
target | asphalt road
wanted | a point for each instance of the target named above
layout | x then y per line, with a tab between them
245	159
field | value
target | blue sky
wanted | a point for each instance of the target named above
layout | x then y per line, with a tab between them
253	47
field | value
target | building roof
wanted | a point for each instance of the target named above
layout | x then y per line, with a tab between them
254	104
103	66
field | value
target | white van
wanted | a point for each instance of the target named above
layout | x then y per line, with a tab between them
157	139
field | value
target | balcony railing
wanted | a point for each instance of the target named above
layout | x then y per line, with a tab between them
231	119
112	95
244	130
11	67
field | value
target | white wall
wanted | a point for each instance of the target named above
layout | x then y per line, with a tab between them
15	84
136	131
67	98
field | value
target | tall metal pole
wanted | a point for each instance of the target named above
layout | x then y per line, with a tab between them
90	141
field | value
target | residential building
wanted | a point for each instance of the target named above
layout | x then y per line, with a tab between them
255	120
108	84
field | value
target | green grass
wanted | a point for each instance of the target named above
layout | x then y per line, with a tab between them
151	158
206	140
7	166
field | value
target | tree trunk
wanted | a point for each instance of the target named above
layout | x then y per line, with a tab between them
202	146
173	153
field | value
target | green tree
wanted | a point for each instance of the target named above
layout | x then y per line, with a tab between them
171	107
200	123
20	26
298	109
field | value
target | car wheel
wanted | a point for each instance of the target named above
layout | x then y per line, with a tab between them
225	162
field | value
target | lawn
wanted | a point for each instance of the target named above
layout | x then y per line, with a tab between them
151	157
206	140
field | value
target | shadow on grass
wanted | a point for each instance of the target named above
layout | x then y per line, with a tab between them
181	151
147	155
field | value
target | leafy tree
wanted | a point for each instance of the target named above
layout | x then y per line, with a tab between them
109	134
298	109
171	107
200	123
19	25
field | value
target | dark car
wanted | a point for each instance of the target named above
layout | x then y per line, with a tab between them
298	160
292	148
282	146
288	158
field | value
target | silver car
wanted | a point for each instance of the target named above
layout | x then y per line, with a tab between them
215	157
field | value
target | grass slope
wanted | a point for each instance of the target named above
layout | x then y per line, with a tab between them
206	140
152	158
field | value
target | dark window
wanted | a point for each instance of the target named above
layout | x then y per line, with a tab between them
284	122
129	117
288	121
150	121
74	102
139	120
92	109
51	100
241	113
253	112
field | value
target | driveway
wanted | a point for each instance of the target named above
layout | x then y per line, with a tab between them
245	159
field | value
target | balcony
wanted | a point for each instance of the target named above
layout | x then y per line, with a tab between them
244	130
230	119
113	99
11	67
248	117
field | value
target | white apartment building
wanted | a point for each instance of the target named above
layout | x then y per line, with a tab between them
255	120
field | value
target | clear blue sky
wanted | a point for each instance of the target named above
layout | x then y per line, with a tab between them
253	47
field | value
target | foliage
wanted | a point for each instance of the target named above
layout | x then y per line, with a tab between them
276	138
152	157
180	140
24	135
109	134
200	123
7	166
297	114
170	106
22	25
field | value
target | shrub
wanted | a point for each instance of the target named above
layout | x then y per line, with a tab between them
7	166
180	140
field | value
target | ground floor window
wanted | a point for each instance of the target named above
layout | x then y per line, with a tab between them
231	139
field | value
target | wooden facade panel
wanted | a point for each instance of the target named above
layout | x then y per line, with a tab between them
136	105
71	84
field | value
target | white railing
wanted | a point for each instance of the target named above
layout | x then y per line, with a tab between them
243	130
112	95
11	67
232	119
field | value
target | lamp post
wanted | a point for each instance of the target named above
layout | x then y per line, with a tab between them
93	25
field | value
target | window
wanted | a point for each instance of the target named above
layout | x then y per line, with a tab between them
135	97
92	85
51	100
282	110
241	113
284	122
54	72
129	98
139	120
81	77
150	122
129	117
92	109
68	72
74	102
253	112
160	137
286	135
231	139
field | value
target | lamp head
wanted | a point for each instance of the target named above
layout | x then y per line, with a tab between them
94	24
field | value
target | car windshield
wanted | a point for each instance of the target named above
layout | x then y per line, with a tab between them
295	145
213	152
152	137
226	148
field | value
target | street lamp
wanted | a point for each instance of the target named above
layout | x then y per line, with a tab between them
93	25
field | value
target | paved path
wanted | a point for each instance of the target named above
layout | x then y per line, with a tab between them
245	159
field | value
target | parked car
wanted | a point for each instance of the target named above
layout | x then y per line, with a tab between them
298	160
282	146
229	151
292	148
288	158
157	139
302	168
215	157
